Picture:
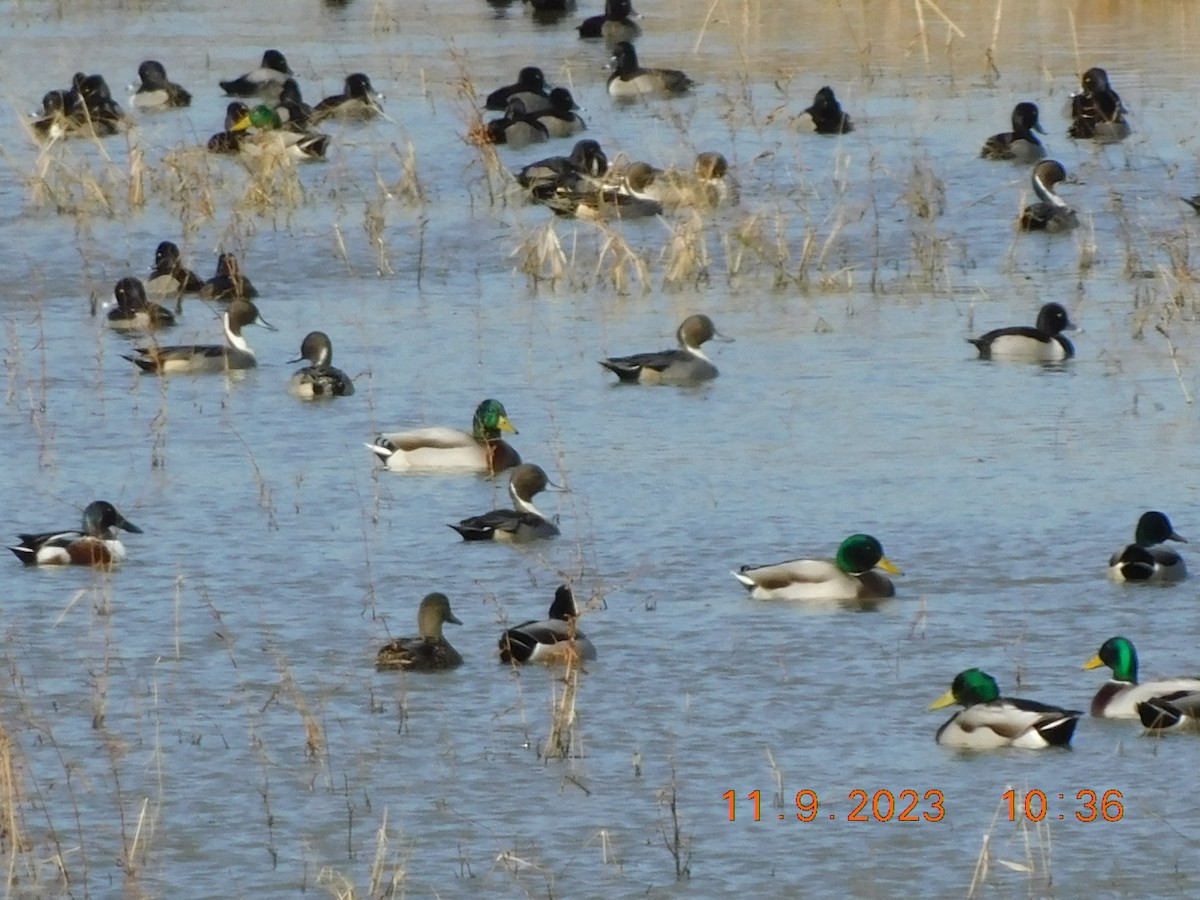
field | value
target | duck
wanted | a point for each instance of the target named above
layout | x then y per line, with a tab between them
1050	213
429	651
989	721
555	639
228	283
265	81
156	91
1119	697
561	120
169	275
581	198
440	449
529	88
1177	711
358	101
520	525
1145	561
270	136
616	24
235	353
516	128
629	79
685	365
548	12
827	115
1097	112
586	163
229	141
1044	342
92	104
291	113
850	575
54	122
134	311
1021	144
321	379
95	544
705	187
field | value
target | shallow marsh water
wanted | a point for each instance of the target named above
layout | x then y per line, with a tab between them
158	717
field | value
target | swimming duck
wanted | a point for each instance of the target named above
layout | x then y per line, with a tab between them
529	88
616	24
988	721
705	187
265	81
320	379
514	526
561	120
1097	112
156	91
587	163
96	544
631	80
228	283
92	104
169	275
581	198
516	128
1177	711
1050	213
428	652
54	122
134	310
556	639
849	576
1042	343
684	365
1119	697
548	12
1143	560
358	100
235	353
440	448
270	136
827	115
1021	144
229	140
291	113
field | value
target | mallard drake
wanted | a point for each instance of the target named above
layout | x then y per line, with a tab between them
1177	711
265	81
1021	144
156	91
848	576
616	24
529	88
433	449
587	162
629	79
169	275
685	365
228	283
1144	560
134	311
358	100
429	651
1097	112
96	544
235	353
516	128
561	120
1042	343
827	115
1050	213
556	639
1118	698
988	721
270	136
230	141
514	526
321	379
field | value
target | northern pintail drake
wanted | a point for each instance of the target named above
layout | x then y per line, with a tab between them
529	88
156	91
520	525
429	651
629	79
169	275
1021	144
358	101
95	544
1050	213
230	141
1044	342
705	187
265	81
587	162
561	120
270	136
555	639
989	721
134	311
228	283
516	128
235	353
1097	112
1118	698
850	575
684	365
320	379
1144	560
581	199
616	24
827	115
449	449
1176	711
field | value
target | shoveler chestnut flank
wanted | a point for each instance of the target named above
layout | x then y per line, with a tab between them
95	544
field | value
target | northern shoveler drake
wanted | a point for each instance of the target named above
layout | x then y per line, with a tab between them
429	651
989	721
850	575
1118	698
1044	342
228	283
156	91
1144	560
270	136
556	639
629	79
1097	112
134	311
516	128
581	199
235	353
320	379
96	544
169	275
514	526
616	24
1050	213
586	162
265	81
827	115
441	449
561	120
1176	711
358	100
529	88
1021	144
684	365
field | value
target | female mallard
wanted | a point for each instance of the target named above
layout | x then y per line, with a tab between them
1044	342
235	353
322	378
1050	213
439	448
1118	698
1021	144
989	721
134	311
514	526
686	365
1177	711
428	652
556	639
849	576
1143	560
96	544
